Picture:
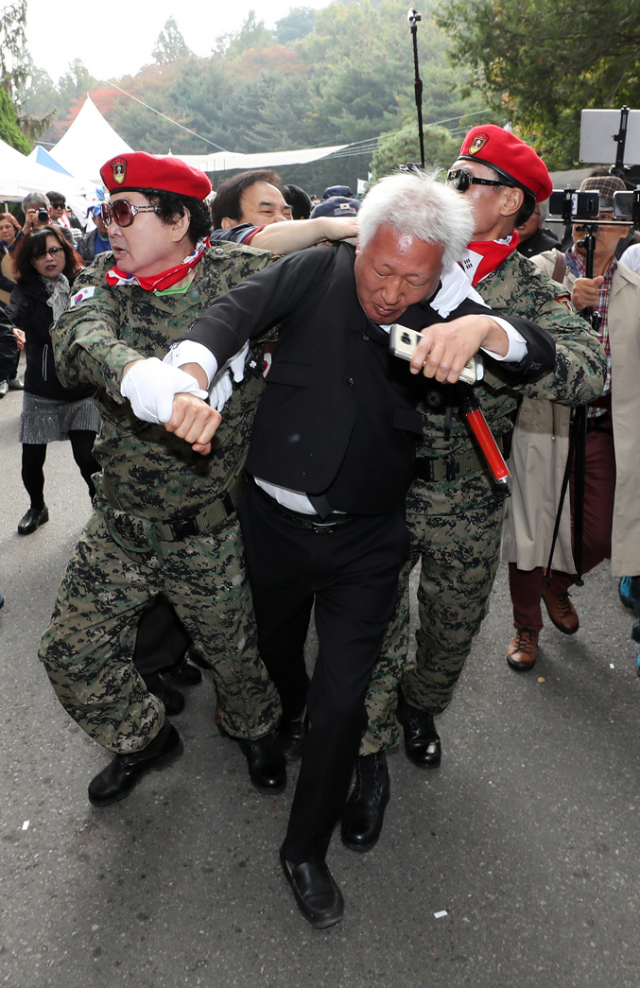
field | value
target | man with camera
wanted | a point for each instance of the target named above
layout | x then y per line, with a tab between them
454	511
37	214
610	498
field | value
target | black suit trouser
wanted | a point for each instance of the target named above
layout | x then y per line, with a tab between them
351	574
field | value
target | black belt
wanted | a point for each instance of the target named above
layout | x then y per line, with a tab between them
199	523
435	469
336	520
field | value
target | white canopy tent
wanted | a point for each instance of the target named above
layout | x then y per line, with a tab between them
88	143
20	175
227	160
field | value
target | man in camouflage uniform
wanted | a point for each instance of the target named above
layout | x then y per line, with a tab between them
454	511
164	517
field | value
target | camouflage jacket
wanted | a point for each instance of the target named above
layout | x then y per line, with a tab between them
151	472
517	287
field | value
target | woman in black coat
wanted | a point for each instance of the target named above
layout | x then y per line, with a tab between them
45	266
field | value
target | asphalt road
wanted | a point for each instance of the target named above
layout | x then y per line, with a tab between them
513	865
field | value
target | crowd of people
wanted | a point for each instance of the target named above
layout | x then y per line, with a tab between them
225	367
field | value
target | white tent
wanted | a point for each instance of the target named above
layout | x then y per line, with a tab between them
88	143
20	175
226	160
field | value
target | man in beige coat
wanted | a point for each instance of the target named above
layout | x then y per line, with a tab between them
540	447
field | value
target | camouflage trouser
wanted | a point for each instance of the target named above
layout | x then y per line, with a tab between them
88	648
455	532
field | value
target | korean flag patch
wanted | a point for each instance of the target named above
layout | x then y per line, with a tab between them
81	296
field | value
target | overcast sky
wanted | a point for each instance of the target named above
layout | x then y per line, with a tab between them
114	39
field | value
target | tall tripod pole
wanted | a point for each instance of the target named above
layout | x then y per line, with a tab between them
578	445
414	17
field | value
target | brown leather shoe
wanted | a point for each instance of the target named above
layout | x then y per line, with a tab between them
522	650
561	611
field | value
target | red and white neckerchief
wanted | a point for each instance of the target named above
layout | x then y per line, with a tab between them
159	282
483	256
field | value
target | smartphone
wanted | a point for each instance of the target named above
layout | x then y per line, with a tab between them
403	342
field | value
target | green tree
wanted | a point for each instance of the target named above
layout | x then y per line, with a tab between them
298	23
13	47
77	81
170	45
252	34
10	132
544	61
402	146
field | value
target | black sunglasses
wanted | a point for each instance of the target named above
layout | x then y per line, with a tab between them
462	180
123	212
49	253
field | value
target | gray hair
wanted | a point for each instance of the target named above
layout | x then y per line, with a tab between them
418	205
543	208
35	199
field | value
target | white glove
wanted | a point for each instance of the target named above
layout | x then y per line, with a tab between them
221	391
151	386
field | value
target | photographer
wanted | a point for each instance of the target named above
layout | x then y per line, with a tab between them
611	507
37	214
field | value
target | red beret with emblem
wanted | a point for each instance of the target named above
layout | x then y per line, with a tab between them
139	170
510	157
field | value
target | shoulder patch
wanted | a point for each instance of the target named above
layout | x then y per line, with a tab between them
82	295
567	303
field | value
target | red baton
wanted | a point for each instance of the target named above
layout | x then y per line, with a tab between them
470	408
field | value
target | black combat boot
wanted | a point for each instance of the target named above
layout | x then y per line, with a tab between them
364	813
421	740
121	774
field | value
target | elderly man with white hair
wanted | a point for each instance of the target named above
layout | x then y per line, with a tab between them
330	461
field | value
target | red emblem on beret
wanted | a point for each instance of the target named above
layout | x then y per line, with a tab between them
478	143
119	170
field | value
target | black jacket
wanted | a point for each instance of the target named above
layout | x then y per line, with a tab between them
28	310
338	415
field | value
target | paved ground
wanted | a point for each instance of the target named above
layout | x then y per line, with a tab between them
527	837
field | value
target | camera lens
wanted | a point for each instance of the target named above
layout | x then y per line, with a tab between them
43	215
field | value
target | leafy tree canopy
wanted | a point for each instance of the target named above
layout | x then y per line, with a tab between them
170	45
544	61
13	46
10	132
297	24
403	146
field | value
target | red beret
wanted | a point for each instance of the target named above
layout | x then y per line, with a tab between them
511	157
139	170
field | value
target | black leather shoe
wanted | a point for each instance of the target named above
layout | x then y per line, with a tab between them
120	776
318	897
15	384
32	520
290	737
267	767
4	388
182	674
421	740
172	698
364	813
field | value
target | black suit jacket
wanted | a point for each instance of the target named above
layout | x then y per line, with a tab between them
338	415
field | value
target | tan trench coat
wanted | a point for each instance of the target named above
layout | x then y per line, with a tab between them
541	442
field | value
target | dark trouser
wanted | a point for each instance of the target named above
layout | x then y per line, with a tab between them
161	638
351	573
34	455
526	586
